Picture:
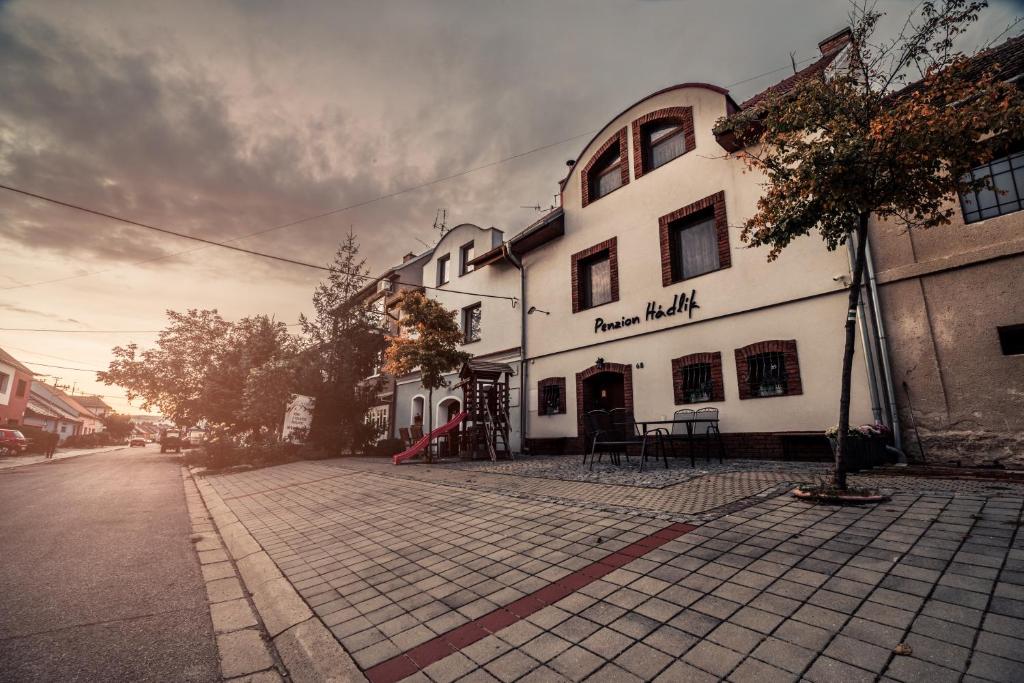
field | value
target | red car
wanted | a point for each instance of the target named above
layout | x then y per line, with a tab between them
12	442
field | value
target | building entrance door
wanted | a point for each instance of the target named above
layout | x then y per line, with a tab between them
604	391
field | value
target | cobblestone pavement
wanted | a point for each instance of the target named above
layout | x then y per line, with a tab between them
442	574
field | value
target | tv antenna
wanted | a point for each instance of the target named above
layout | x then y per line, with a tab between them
441	221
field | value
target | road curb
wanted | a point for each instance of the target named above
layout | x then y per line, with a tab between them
305	646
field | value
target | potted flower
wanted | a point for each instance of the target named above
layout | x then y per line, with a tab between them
856	446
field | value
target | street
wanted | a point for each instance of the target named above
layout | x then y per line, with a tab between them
99	577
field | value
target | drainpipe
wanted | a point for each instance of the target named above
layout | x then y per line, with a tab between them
869	353
883	345
524	407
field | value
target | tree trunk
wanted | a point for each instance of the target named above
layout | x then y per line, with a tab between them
839	477
430	422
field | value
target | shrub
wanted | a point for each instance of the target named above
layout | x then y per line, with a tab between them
36	438
386	448
224	451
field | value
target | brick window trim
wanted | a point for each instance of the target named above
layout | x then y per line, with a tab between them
794	385
681	115
618	138
714	359
716	202
611	246
627	388
551	382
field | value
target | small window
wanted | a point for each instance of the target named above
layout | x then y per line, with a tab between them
471	323
1011	340
443	270
766	374
663	141
696	382
1006	193
694	246
5	379
596	280
551	396
22	385
466	254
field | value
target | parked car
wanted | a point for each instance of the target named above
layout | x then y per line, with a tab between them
137	441
12	442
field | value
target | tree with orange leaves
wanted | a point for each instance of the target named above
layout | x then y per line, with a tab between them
835	150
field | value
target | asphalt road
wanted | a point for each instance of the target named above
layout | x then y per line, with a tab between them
98	577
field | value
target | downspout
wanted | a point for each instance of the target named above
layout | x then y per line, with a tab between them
524	407
869	360
883	345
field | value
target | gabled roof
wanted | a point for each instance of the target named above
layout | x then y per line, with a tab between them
11	360
93	402
1008	56
784	86
541	231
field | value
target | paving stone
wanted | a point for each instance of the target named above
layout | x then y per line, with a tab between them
784	655
451	668
804	635
754	671
884	614
827	670
857	653
670	640
643	661
1001	645
712	658
546	646
232	615
511	666
576	663
735	637
242	652
486	649
681	671
914	670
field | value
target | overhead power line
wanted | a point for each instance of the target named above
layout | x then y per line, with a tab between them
228	244
54	329
61	367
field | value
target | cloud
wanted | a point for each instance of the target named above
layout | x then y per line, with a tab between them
14	308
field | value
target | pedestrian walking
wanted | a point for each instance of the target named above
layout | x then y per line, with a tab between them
51	444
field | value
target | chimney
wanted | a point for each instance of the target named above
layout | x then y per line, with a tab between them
836	41
408	257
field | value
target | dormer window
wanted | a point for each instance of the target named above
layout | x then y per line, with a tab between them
606	175
607	170
663	142
466	254
661	136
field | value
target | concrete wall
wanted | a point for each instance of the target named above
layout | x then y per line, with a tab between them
943	293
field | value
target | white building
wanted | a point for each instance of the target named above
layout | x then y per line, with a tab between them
638	293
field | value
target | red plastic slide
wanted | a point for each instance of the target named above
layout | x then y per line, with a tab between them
420	445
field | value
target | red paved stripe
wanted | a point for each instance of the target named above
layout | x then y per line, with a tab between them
434	650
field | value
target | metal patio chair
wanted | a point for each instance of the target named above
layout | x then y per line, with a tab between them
614	432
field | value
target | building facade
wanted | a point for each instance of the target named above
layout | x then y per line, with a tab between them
491	324
638	293
15	387
951	302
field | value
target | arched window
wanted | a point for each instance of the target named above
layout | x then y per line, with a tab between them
661	136
607	170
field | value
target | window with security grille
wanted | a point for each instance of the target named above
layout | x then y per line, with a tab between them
551	399
697	386
1004	193
766	373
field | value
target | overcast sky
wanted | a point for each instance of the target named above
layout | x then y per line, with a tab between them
222	119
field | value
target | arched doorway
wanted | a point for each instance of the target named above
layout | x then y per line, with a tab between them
603	386
447	409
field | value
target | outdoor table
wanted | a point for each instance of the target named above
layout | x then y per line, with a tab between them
689	422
